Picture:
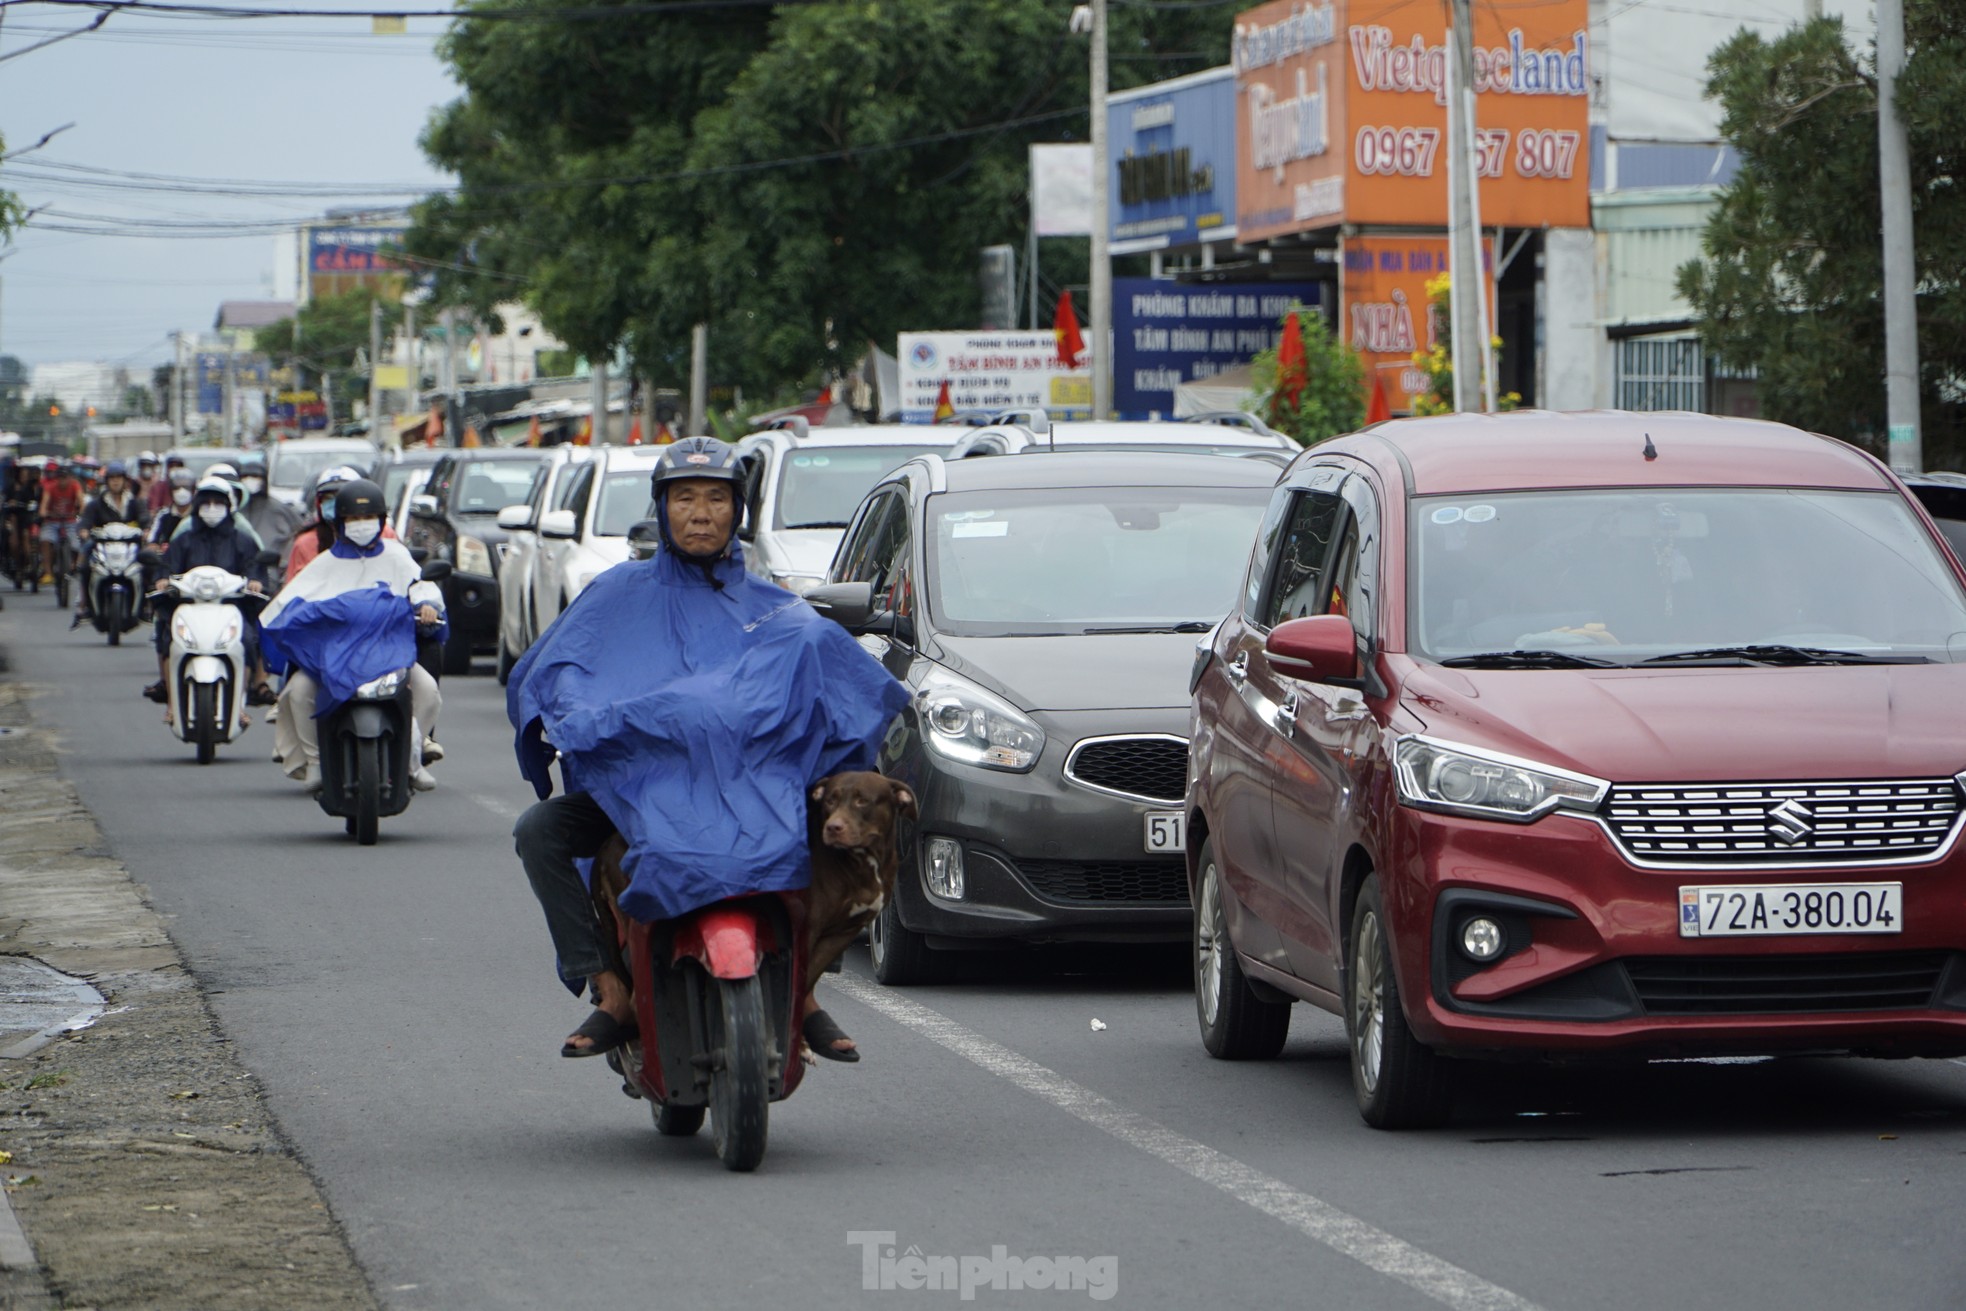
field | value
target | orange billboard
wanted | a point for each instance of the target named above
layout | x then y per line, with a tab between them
1383	312
1342	114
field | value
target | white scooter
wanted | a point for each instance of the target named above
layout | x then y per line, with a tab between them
206	673
115	580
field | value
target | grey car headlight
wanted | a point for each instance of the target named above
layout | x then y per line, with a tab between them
964	722
1458	780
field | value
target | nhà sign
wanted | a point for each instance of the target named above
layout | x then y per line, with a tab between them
1383	314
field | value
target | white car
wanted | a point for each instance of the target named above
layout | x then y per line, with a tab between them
518	627
583	528
802	485
291	465
1227	435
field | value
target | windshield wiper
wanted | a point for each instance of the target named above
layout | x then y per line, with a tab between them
1185	626
1782	655
1530	660
817	523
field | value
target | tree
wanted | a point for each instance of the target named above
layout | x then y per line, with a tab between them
1331	398
326	337
1790	280
12	212
802	179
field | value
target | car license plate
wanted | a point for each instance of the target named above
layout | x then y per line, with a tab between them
1775	910
1167	830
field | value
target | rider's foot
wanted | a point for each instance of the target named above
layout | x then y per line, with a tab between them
422	780
433	751
156	692
612	999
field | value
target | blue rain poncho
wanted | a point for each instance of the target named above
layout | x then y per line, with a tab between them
696	706
347	618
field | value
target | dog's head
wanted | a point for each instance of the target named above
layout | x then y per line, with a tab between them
856	811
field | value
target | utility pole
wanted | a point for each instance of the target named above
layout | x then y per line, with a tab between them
1102	261
1464	240
177	389
1907	448
375	363
699	380
231	390
598	375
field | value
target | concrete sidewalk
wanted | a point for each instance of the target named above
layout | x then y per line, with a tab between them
137	1154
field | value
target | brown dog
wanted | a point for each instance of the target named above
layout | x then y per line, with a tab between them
852	820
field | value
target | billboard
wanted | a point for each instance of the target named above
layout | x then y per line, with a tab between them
1173	153
343	259
1384	315
990	371
1342	114
1167	333
249	373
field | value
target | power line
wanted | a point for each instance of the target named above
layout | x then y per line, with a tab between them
548	14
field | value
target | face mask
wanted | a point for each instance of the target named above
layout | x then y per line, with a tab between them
327	511
212	515
180	496
363	531
254	486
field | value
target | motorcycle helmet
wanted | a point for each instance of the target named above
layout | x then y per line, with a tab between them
329	484
358	499
214	489
181	477
695	457
116	469
148	458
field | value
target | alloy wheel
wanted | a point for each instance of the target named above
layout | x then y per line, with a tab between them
1369	1003
1209	937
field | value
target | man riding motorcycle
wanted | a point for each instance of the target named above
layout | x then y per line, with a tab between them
213	539
359	559
117	502
23	507
272	518
691	704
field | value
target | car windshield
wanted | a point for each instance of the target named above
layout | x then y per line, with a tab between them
397	475
624	503
286	467
488	486
822	488
1640	574
1076	560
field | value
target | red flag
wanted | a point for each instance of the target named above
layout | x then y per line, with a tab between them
1290	360
635	432
1071	343
1376	409
533	434
944	409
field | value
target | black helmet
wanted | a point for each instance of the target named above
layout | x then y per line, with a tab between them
358	499
695	457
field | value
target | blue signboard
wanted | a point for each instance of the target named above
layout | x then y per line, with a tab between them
1173	147
1167	333
340	259
249	373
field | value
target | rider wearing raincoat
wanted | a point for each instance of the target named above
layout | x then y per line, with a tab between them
691	704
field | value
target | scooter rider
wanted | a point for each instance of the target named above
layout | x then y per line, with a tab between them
272	518
360	558
318	534
214	539
117	502
641	684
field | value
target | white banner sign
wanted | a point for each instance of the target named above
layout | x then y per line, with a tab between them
1061	190
990	371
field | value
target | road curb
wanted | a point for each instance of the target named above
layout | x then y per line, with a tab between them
143	1167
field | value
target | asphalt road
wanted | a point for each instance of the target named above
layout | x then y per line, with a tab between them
399	1004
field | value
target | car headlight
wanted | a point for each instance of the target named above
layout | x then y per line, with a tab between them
963	722
473	557
381	689
798	584
1458	780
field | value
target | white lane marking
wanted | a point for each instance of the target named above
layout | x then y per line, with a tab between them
1345	1234
496	806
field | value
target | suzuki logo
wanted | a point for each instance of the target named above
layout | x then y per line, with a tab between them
1790	822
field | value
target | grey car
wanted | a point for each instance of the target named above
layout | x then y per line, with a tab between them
1043	612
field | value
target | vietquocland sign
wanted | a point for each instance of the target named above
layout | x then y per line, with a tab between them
1342	114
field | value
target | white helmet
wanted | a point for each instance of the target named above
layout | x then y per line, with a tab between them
219	486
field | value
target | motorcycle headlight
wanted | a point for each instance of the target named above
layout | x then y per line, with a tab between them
381	689
1458	780
963	722
181	629
798	584
473	557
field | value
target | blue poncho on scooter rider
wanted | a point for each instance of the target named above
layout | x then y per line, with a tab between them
695	703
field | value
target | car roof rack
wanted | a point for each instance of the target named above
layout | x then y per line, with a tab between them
797	424
1231	419
1036	422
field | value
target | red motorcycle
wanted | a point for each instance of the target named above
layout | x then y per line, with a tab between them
717	998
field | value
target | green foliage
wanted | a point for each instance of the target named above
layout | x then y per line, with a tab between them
1790	283
631	178
12	212
1333	398
325	338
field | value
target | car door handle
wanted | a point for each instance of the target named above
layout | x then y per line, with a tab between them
1238	668
1287	715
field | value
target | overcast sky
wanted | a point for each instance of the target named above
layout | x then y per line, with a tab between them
315	100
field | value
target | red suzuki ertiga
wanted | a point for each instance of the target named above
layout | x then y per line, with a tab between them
1572	734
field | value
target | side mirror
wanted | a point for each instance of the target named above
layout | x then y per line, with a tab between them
267	559
515	517
644	539
557	523
850	605
423	505
1319	649
436	571
419	554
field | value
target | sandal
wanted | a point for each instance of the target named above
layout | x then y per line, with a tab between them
821	1032
603	1032
156	692
262	695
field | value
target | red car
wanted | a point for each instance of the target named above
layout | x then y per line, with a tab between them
1541	735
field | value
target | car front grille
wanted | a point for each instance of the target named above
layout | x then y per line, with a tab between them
1727	824
1150	768
1765	985
1161	882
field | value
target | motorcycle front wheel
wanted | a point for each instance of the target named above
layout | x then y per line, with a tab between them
368	789
204	720
113	615
740	1090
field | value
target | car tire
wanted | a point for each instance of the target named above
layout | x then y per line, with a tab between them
900	955
1236	1024
1399	1082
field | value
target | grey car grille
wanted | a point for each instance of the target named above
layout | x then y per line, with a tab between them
1151	768
1782	823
